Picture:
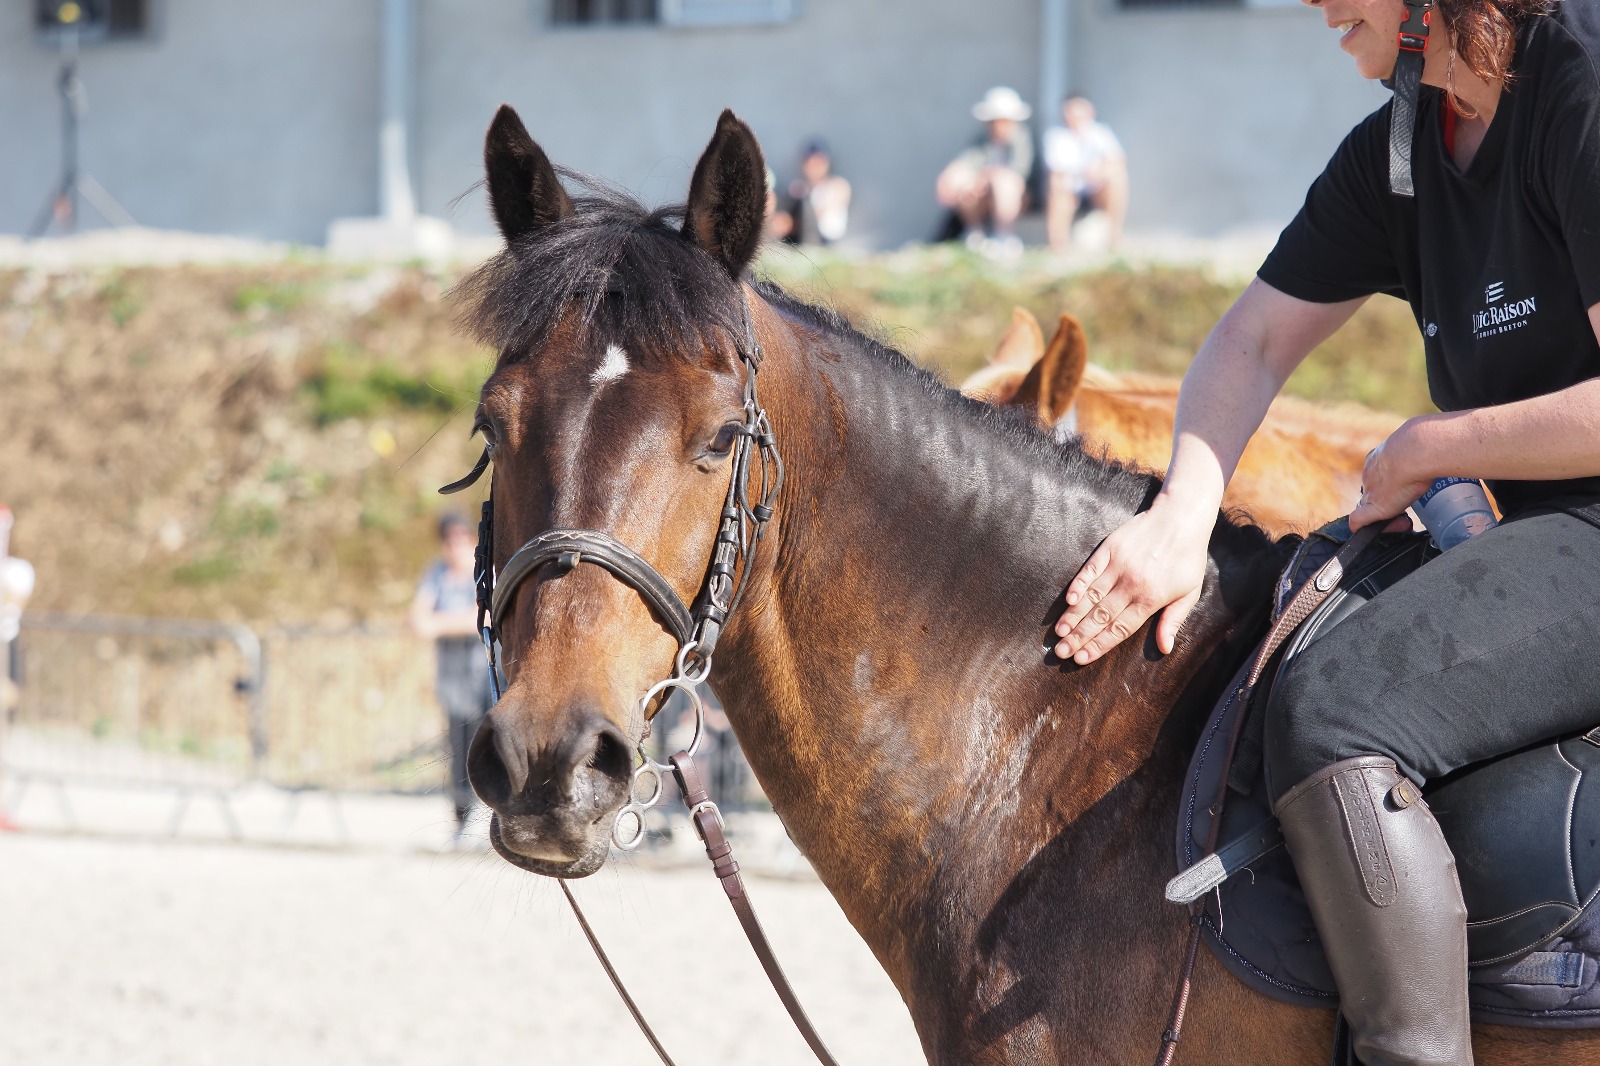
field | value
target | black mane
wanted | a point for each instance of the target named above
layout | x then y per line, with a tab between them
631	272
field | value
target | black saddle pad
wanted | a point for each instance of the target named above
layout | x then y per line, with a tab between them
1525	830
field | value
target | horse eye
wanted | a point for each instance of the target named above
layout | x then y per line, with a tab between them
483	427
722	444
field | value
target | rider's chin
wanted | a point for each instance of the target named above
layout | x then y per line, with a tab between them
528	842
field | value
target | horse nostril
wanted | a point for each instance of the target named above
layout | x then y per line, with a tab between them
485	769
611	757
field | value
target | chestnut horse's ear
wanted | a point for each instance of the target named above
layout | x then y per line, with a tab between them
1022	343
728	196
1051	387
524	192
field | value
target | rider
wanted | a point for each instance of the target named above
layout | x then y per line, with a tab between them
1490	647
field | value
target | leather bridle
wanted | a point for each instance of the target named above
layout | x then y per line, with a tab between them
697	628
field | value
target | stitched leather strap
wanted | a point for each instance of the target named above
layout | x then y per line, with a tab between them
1310	597
708	823
568	548
1403	123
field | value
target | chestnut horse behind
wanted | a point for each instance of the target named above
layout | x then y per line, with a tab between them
1302	469
996	824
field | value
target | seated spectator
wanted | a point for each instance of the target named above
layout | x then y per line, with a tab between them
819	200
1087	169
987	184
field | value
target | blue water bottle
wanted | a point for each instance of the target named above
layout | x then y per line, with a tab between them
1455	509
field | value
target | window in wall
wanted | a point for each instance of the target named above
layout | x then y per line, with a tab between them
602	12
93	20
727	12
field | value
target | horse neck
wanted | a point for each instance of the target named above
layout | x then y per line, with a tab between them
887	674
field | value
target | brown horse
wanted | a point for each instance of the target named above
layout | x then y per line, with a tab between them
995	823
1303	468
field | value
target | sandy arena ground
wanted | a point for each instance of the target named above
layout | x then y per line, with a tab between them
125	952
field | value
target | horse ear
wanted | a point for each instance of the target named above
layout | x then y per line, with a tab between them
1022	343
524	192
1051	387
728	196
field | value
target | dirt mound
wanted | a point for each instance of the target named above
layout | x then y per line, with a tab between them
263	441
229	442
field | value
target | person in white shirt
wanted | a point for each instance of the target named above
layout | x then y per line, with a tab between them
1087	168
16	585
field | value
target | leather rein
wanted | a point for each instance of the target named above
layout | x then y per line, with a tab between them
697	629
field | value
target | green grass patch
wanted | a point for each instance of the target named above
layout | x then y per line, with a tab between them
349	382
207	570
123	300
278	297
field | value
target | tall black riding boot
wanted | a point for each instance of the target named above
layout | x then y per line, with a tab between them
1381	883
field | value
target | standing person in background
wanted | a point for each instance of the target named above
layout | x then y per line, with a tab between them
16	586
445	610
987	184
1087	167
819	200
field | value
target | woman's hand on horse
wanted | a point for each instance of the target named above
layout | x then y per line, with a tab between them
1396	473
1156	561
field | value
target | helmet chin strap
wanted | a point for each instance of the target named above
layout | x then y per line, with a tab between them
1407	83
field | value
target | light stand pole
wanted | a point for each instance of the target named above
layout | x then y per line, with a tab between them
62	205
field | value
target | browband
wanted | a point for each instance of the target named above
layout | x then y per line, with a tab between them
569	547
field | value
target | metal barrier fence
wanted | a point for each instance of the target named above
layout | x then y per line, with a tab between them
203	708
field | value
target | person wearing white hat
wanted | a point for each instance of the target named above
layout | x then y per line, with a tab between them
987	183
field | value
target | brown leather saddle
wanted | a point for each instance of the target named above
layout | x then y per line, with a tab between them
1525	829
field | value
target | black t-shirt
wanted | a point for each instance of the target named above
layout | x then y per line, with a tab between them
1500	263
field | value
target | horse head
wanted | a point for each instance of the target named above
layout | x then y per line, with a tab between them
615	406
1034	378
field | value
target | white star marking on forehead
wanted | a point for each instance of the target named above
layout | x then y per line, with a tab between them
612	367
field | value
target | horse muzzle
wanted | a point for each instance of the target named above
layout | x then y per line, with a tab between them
554	801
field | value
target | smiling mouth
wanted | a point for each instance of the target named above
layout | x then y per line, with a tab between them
1347	28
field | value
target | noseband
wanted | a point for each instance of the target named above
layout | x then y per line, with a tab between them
696	628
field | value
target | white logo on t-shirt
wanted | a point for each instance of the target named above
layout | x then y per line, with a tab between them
1499	316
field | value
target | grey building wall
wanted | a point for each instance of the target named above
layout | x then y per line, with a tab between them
1227	113
261	119
232	117
889	83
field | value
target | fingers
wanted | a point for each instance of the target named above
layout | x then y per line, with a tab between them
1104	623
1096	567
1172	620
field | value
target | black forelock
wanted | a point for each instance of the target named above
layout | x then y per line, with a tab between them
625	270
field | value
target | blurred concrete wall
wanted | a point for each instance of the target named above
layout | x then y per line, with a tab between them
232	117
1227	113
261	119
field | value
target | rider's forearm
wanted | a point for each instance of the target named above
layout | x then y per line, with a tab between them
1225	395
1546	438
1234	377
